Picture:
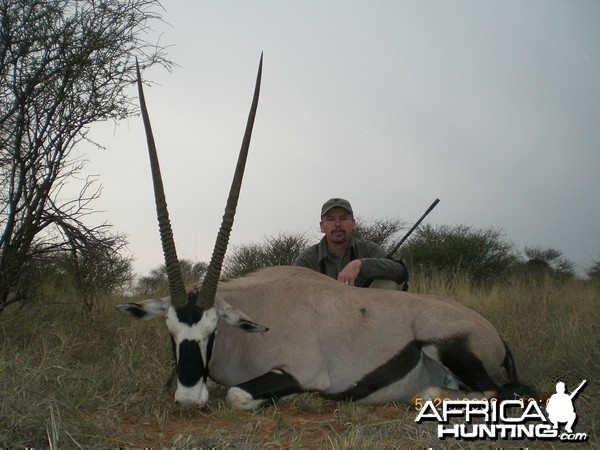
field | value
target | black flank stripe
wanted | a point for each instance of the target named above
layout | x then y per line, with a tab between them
456	355
390	372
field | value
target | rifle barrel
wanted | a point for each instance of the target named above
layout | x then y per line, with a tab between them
417	223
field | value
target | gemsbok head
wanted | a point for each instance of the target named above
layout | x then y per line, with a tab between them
311	333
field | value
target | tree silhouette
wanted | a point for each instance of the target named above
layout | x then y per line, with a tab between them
64	64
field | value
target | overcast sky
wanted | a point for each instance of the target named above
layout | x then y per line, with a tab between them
491	106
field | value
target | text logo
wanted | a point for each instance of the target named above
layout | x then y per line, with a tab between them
506	419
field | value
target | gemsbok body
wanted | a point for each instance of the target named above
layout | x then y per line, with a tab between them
285	330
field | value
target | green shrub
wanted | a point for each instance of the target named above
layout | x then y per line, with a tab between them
279	250
483	255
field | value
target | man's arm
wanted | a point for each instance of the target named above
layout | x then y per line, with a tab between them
376	265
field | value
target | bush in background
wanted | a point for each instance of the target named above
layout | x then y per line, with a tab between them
157	284
277	250
381	231
78	277
483	255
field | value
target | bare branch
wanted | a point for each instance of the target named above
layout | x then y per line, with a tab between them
64	64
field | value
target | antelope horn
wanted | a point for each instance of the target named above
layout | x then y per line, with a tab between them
209	287
176	287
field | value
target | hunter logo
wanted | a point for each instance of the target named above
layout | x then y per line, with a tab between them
506	419
560	407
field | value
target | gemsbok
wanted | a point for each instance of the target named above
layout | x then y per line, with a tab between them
286	330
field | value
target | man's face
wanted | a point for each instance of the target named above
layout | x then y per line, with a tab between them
338	225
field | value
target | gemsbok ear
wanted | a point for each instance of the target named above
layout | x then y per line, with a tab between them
236	318
145	309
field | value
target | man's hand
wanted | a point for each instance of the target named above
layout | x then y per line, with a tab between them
350	273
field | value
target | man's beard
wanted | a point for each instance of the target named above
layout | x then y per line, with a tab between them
338	236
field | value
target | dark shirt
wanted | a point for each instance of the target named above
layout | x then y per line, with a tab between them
375	263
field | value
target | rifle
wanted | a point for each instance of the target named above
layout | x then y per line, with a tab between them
417	223
367	282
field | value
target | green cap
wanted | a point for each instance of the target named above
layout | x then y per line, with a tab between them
336	203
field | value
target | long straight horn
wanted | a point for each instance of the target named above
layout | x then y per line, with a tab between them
176	287
209	287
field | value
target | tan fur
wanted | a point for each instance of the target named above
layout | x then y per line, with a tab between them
329	335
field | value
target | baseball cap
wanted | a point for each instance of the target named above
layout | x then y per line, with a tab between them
336	203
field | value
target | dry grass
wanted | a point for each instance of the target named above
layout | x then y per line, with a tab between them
69	380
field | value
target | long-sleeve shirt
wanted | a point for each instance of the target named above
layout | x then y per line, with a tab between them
375	263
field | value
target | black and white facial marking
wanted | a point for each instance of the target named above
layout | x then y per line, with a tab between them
192	329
